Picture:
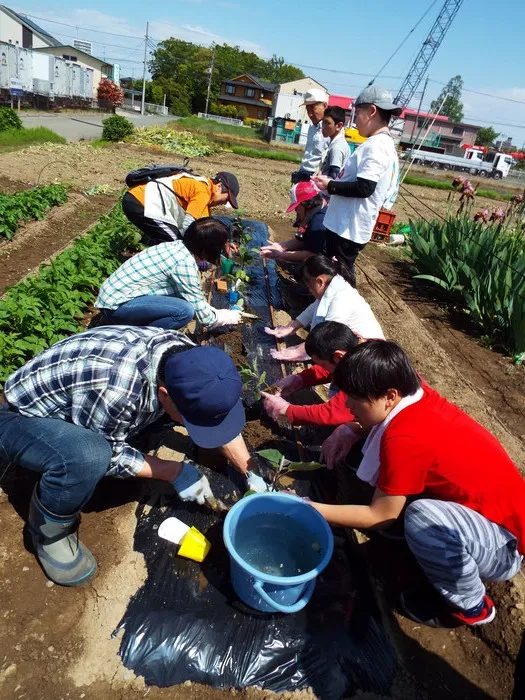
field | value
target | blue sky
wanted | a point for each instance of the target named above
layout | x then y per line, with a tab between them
483	45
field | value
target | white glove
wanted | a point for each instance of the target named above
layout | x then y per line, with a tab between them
281	331
226	317
191	485
338	445
256	483
289	384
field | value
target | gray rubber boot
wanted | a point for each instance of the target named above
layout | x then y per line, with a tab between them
63	557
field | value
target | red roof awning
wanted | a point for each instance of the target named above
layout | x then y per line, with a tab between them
341	101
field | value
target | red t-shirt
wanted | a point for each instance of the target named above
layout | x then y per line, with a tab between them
434	448
332	412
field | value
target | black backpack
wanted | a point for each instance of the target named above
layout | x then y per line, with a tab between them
154	172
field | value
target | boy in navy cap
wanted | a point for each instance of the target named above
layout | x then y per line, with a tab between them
70	412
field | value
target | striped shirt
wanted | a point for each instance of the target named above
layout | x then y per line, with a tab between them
104	380
166	269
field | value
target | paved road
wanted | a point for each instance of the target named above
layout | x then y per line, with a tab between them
78	125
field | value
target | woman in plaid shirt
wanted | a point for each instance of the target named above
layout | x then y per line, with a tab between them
160	286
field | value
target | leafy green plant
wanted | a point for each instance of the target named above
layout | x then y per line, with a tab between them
50	305
253	380
116	128
482	265
182	142
28	205
9	119
283	467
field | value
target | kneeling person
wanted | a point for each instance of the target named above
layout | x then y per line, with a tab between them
461	496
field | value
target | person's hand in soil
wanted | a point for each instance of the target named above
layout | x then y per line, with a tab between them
335	448
227	317
191	485
289	384
271	250
275	406
283	331
256	483
321	182
297	353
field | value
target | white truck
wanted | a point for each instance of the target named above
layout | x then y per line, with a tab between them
496	165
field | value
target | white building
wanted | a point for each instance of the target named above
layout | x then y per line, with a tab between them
23	32
76	57
289	98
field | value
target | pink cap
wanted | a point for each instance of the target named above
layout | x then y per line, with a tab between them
301	192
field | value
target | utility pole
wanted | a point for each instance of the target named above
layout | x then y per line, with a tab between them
142	104
210	71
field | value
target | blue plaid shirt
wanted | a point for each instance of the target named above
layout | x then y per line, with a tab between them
166	269
104	380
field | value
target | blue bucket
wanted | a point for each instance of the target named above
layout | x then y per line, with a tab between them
264	591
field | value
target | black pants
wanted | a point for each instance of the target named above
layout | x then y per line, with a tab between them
154	231
345	251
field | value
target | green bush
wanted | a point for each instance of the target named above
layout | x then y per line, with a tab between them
254	123
9	119
116	128
482	265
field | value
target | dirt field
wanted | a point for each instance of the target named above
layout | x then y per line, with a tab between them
56	643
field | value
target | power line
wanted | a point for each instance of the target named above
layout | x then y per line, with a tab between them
84	27
484	94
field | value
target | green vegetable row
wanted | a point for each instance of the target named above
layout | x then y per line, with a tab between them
50	305
28	205
484	265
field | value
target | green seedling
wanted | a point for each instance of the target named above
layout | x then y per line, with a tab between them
283	467
252	380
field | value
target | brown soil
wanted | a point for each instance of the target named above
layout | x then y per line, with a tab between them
8	186
38	240
56	643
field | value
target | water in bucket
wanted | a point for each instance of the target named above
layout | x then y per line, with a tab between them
277	545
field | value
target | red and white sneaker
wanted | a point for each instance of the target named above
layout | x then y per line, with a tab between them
433	611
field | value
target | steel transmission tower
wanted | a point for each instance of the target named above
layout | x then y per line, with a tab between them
428	51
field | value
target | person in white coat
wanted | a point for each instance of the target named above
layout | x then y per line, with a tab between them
335	300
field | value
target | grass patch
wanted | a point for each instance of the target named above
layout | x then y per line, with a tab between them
443	185
271	155
209	126
11	139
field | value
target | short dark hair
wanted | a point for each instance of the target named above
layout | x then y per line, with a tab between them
328	337
206	238
313	202
337	113
372	368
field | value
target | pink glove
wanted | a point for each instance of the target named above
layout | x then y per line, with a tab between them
338	445
271	250
274	405
294	354
289	384
280	331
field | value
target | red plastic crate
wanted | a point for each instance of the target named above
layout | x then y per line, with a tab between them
383	225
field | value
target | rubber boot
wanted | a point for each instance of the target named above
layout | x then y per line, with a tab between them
63	557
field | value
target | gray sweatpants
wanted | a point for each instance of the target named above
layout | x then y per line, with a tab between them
457	548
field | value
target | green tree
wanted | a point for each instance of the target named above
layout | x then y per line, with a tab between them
453	107
486	136
281	72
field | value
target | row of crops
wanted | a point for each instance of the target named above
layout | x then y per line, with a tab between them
481	265
50	305
28	205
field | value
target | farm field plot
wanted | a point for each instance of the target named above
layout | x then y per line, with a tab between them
56	642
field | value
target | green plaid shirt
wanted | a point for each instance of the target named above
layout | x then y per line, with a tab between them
166	269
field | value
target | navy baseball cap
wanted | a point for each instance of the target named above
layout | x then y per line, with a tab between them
205	386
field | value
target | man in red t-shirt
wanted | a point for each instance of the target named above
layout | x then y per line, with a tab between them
465	520
326	344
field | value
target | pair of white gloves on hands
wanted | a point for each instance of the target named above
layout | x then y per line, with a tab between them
191	485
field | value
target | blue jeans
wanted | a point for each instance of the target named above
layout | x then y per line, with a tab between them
71	459
163	312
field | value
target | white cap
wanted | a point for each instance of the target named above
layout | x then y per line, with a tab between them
315	95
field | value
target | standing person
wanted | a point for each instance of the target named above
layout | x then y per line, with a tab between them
335	300
315	101
461	497
160	286
369	178
310	239
163	209
338	151
70	412
326	344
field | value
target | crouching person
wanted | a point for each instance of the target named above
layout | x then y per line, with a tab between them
461	496
71	411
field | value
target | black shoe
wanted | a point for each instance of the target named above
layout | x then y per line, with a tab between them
429	609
